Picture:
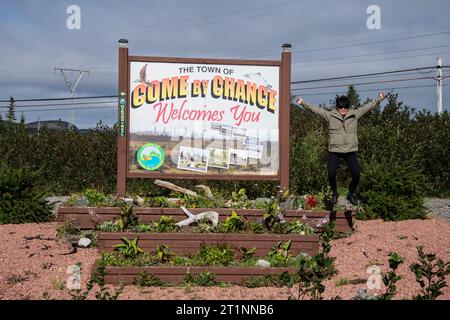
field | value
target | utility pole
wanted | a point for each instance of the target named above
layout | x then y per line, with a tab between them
439	78
72	86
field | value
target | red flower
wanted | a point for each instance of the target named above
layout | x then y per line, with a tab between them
311	201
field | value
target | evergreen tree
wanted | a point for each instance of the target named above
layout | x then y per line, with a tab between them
10	115
353	95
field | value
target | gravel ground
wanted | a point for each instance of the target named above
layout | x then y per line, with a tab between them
34	261
439	208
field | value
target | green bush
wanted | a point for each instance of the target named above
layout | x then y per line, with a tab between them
72	162
20	201
392	191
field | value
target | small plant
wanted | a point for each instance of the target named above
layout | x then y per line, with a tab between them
127	219
109	226
327	234
210	256
258	281
94	197
157	202
165	224
239	199
57	283
146	280
234	223
247	254
163	253
203	279
255	227
129	248
67	228
430	274
273	215
97	278
313	271
142	227
280	254
286	279
298	227
391	277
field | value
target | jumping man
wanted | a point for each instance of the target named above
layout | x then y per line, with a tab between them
342	139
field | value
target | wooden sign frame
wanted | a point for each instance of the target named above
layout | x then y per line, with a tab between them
123	133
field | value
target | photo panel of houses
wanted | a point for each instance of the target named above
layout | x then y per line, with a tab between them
193	159
218	158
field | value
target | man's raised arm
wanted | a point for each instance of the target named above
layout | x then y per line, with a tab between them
315	109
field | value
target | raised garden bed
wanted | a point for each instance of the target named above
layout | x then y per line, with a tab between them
175	275
185	244
88	217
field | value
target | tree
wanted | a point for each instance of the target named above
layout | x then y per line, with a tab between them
353	95
10	115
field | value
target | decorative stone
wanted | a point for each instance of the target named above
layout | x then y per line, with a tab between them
84	242
128	201
263	263
82	202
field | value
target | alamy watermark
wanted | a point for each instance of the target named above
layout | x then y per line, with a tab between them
74	19
374	280
374	20
74	278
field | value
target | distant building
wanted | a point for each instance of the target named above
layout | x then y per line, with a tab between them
56	125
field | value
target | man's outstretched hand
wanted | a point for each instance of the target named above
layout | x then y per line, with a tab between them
381	95
299	100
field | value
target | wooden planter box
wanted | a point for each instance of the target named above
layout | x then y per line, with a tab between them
89	216
175	275
185	244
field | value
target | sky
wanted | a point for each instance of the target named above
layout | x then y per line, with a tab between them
330	38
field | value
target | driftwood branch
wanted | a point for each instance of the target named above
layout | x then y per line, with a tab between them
174	187
212	216
207	190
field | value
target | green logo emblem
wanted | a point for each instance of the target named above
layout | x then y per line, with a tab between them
150	156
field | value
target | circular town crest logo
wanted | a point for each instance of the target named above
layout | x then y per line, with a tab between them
150	156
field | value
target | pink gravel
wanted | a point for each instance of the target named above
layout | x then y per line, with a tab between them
31	267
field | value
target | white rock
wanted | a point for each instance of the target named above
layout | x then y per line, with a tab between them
263	263
128	201
84	242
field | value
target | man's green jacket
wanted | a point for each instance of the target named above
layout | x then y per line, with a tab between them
342	131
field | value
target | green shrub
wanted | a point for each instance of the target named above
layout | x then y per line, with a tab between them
109	226
146	280
20	199
392	191
68	227
214	256
94	197
203	279
430	273
165	224
129	248
234	223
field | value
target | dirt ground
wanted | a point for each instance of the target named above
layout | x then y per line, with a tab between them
34	263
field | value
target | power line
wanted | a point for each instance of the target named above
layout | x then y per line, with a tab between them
369	90
364	75
59	104
366	83
65	109
57	99
316	65
371	54
358	44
